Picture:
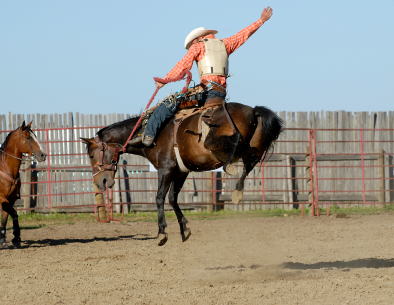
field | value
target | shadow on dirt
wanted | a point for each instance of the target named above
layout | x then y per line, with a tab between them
344	266
358	263
60	242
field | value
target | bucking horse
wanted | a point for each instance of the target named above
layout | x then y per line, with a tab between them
199	139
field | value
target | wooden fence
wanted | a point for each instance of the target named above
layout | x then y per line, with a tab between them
288	167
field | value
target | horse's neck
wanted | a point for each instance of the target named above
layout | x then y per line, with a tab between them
121	140
9	164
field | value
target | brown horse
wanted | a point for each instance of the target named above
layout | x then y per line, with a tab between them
256	130
18	142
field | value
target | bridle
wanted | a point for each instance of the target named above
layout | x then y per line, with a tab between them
100	166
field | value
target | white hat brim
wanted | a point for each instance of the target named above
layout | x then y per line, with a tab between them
197	33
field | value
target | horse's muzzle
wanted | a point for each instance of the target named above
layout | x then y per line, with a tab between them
40	156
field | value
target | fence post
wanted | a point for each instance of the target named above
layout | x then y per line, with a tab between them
210	186
285	183
308	175
381	178
290	180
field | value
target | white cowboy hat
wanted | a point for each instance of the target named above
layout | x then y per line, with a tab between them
197	33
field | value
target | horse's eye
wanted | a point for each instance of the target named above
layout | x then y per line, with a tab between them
91	157
28	138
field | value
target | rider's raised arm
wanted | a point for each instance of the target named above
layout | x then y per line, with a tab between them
234	42
186	63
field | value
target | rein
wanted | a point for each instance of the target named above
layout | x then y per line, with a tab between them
11	155
163	81
100	166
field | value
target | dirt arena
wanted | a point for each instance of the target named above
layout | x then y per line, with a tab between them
324	260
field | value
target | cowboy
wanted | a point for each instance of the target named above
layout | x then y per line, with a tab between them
211	55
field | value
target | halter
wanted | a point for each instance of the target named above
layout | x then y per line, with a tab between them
101	167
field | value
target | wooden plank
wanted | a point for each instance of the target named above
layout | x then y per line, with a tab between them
77	159
52	175
39	199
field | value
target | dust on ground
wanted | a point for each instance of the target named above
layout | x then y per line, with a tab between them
303	260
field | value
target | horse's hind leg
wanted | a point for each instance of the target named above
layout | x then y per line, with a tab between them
249	164
223	147
176	187
233	141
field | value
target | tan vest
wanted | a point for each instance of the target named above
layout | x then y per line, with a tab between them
215	60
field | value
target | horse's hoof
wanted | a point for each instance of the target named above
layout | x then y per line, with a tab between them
4	246
237	197
231	170
17	243
162	239
187	232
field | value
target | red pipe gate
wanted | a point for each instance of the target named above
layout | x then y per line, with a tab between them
318	167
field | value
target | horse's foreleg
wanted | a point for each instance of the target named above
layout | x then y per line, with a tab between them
4	218
176	187
164	185
16	241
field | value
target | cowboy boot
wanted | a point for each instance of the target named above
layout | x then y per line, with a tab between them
148	141
137	139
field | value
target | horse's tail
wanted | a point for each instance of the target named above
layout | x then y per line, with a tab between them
269	128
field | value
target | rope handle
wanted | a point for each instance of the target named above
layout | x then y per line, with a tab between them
163	81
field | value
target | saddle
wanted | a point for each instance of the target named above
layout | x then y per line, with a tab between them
205	113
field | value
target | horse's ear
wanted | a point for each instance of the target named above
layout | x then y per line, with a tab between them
87	141
23	125
29	125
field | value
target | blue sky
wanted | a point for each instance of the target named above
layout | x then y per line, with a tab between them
101	56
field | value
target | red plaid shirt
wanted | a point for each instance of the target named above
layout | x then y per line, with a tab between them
197	51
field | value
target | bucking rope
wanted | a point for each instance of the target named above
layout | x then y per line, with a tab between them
163	81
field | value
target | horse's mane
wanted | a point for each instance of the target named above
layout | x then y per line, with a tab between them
4	145
128	122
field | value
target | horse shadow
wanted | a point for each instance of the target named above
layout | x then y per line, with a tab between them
372	262
66	241
375	263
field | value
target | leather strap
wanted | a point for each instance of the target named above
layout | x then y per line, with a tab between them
229	119
9	177
213	86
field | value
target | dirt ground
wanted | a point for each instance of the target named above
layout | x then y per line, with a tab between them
301	260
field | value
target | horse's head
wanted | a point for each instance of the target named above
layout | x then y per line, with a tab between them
28	143
104	159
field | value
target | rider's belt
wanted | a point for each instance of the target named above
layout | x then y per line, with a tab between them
209	85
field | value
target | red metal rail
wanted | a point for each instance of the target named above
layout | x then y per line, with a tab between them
307	183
